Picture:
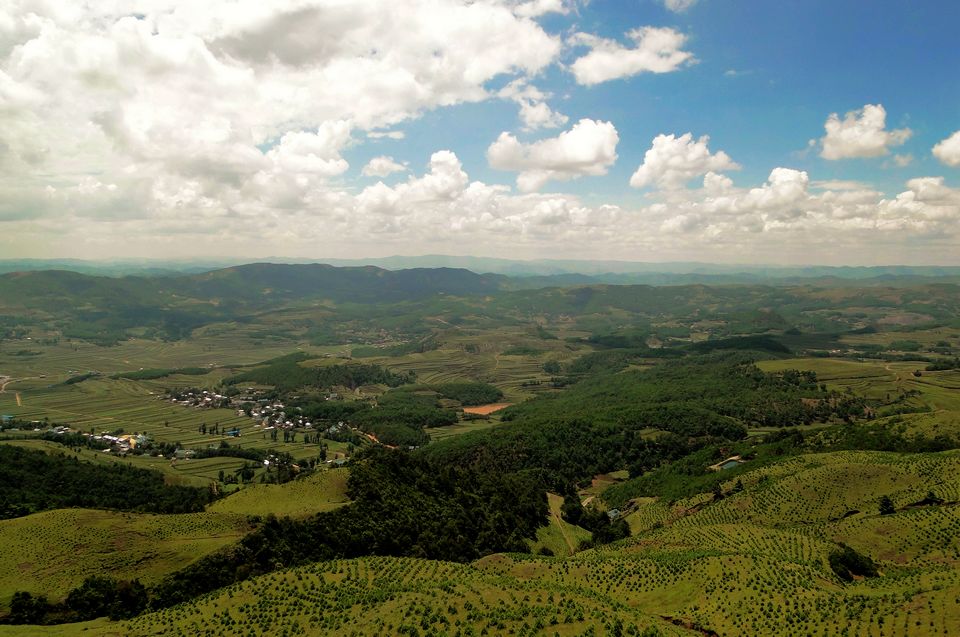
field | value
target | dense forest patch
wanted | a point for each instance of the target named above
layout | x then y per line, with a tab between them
32	481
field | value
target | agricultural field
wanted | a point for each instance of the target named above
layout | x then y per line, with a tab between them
462	427
52	552
198	472
753	559
880	381
755	562
507	358
105	404
391	596
53	362
926	338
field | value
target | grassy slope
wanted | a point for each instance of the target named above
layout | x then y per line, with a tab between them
753	563
389	596
559	536
53	551
323	491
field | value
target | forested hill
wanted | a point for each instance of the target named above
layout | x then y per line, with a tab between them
106	310
604	423
246	283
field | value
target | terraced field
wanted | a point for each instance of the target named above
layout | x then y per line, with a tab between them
881	381
105	404
769	544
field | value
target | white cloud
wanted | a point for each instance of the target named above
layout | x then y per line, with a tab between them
839	184
673	161
318	153
902	161
381	167
948	150
535	113
679	6
208	100
589	148
226	123
390	134
861	133
656	50
537	8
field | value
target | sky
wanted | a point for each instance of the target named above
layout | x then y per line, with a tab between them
728	131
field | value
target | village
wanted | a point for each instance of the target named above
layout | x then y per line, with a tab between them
268	413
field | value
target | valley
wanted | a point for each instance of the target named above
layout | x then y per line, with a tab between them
574	428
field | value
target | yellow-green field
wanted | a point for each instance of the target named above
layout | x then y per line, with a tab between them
926	337
392	596
559	536
322	491
753	563
881	381
104	404
54	551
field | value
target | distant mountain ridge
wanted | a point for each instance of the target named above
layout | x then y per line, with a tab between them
540	272
248	283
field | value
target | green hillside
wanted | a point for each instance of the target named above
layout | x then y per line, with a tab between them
754	563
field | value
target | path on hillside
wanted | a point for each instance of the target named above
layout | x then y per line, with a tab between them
440	320
6	380
563	531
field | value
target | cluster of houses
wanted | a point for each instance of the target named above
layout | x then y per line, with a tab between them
203	399
122	443
268	414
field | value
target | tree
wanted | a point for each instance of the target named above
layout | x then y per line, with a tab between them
27	609
717	492
886	506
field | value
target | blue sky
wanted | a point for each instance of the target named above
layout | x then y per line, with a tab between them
650	130
793	63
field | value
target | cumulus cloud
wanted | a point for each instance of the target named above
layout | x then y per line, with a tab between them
146	128
381	167
308	152
861	133
673	161
655	50
948	150
535	113
589	148
199	99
